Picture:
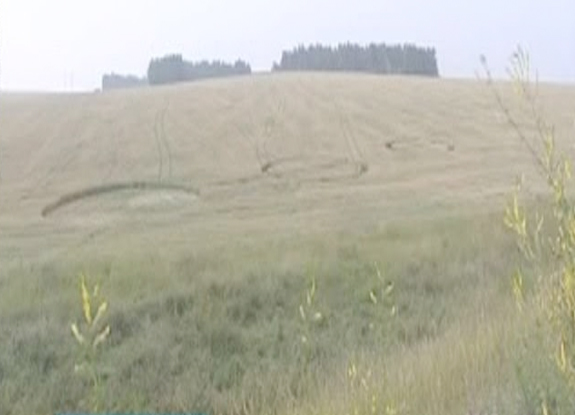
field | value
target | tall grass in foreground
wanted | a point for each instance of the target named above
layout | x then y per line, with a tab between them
220	332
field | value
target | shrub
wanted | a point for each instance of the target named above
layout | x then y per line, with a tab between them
547	241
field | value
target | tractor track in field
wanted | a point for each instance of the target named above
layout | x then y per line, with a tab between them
162	143
93	191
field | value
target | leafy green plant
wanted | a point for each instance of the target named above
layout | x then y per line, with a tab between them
89	336
309	313
382	292
547	241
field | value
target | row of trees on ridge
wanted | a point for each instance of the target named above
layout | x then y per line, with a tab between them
407	59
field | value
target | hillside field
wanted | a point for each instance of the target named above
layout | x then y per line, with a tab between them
207	212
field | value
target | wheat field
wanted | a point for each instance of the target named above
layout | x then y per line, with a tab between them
428	145
229	190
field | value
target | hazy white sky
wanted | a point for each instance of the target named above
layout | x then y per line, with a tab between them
52	44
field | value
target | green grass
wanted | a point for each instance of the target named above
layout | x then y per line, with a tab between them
221	331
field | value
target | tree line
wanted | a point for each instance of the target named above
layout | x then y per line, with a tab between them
407	59
173	68
380	58
117	81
